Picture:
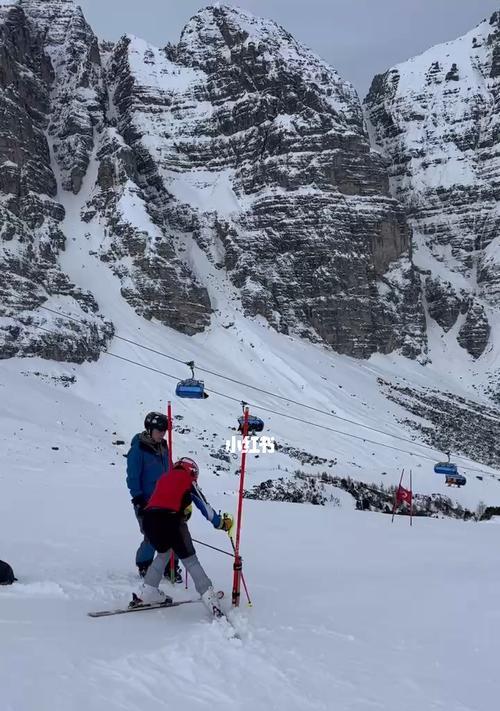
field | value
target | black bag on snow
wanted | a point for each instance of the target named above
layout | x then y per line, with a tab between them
6	574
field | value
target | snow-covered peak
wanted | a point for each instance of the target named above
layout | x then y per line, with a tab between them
224	25
219	34
246	130
460	60
53	17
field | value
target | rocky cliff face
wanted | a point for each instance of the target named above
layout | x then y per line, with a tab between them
30	216
436	120
78	94
241	138
145	222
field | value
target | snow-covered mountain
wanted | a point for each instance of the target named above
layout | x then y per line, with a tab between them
436	120
238	143
218	201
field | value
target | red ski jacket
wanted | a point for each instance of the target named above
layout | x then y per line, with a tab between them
172	491
176	490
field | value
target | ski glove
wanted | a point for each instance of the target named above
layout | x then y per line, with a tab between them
139	503
226	522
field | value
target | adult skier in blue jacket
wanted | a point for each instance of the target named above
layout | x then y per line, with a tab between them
147	460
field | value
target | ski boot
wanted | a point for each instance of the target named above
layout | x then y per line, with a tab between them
210	599
148	595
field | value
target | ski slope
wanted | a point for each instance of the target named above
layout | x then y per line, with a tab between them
349	612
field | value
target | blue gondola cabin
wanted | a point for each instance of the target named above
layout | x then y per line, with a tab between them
191	388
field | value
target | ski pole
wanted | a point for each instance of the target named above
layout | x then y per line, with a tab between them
212	547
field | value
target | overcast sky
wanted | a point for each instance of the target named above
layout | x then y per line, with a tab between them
359	38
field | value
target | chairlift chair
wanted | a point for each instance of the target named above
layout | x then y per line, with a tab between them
455	480
255	424
447	468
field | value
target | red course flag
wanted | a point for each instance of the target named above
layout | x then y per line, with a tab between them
403	495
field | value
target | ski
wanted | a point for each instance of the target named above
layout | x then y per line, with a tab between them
141	608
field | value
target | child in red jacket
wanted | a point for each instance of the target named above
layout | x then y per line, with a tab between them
165	525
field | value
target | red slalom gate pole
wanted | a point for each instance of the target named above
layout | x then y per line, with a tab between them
242	577
396	496
169	433
238	564
411	500
170	460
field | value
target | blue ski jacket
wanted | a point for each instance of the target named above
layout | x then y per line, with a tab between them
146	462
